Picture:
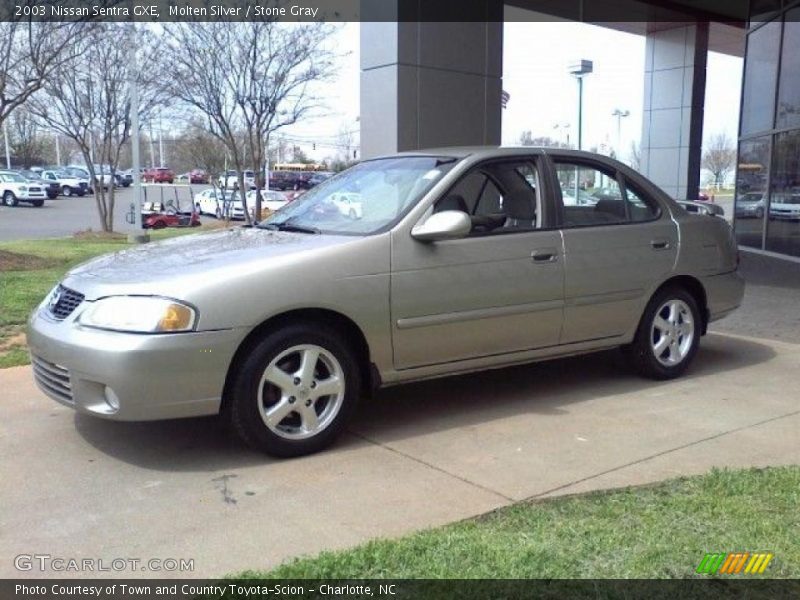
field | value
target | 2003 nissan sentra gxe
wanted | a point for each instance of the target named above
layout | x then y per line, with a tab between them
441	262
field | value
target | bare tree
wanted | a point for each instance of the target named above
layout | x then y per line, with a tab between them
251	79
31	51
26	139
719	157
87	101
202	150
635	157
526	139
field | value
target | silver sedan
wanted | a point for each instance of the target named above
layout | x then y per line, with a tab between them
456	260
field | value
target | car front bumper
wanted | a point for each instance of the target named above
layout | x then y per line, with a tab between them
130	377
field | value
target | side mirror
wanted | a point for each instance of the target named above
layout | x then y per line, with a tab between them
445	225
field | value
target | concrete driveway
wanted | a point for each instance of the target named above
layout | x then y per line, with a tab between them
417	456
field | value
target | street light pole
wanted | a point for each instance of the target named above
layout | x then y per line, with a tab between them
579	70
620	114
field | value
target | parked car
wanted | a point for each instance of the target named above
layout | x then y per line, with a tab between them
159	175
750	205
230	180
270	199
221	204
319	177
51	188
348	203
14	188
285	326
127	177
69	184
198	176
102	175
785	206
291	180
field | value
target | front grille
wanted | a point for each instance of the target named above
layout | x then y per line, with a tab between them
34	189
53	379
64	301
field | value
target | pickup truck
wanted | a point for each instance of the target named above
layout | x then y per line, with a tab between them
70	185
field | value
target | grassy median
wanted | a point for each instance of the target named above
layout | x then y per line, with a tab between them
659	531
30	268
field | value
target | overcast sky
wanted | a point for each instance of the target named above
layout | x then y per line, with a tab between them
543	94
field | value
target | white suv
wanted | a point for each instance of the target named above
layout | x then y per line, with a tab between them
14	188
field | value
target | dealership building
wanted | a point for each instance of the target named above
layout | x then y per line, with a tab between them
426	83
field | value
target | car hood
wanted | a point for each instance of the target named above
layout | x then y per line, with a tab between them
174	267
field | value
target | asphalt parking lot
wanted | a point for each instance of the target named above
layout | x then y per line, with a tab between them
65	216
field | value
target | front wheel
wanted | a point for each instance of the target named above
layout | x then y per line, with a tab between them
668	335
9	199
295	391
66	191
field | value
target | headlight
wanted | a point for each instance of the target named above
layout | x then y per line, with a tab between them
139	314
23	188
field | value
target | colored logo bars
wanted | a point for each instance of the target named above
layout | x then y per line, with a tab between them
734	563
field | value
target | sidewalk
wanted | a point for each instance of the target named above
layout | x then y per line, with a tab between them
417	456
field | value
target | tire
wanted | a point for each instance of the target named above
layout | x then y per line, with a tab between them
305	423
218	214
38	203
66	191
353	214
197	209
159	225
672	324
9	199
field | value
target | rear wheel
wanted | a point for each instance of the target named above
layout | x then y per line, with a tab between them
668	335
294	392
9	199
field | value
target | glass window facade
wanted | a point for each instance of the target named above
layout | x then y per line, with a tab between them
767	200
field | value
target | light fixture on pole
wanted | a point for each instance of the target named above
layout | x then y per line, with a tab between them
620	114
580	69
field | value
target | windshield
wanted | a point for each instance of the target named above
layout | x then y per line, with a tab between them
14	177
366	198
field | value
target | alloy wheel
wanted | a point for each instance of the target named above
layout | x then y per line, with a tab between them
301	391
672	332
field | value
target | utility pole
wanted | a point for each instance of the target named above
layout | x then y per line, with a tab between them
579	70
138	235
58	152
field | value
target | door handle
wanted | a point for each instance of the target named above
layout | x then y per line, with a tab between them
659	244
544	255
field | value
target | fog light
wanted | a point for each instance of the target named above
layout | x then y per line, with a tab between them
111	398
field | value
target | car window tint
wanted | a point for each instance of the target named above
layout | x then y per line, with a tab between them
590	196
500	197
640	207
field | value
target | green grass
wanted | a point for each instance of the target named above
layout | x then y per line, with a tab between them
660	531
22	290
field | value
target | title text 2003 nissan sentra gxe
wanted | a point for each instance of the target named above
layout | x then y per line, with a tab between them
445	261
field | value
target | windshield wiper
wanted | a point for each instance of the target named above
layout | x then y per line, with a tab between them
287	225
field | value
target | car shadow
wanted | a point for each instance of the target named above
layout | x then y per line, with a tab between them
395	413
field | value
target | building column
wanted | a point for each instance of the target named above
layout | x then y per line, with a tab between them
674	95
430	84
